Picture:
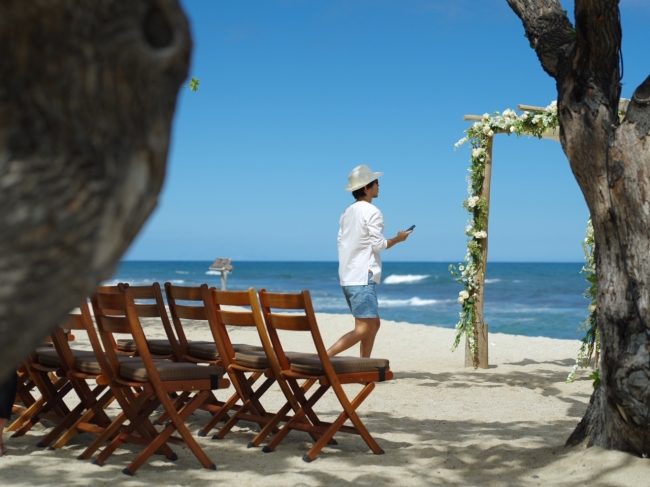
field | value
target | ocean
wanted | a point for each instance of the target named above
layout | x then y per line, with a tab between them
532	299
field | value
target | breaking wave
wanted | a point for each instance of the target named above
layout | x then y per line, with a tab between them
415	301
405	278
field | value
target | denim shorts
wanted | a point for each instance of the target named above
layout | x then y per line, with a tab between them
362	300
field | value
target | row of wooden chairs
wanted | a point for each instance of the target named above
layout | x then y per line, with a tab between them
180	375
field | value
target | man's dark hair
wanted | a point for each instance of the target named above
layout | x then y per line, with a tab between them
361	192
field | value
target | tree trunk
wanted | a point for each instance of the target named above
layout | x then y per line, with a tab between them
610	160
87	95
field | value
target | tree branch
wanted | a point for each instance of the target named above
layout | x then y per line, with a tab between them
597	53
548	29
638	110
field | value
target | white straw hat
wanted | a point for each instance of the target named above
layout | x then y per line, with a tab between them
360	176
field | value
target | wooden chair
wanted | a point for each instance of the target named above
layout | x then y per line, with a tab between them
186	303
257	363
88	415
243	375
329	372
45	369
115	313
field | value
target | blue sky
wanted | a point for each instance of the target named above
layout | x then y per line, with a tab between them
295	93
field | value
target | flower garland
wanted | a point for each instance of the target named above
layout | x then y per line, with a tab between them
591	340
479	135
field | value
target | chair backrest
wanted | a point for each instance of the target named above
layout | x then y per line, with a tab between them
81	321
220	318
155	308
193	308
303	321
115	313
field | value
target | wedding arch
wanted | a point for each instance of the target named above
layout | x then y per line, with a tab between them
541	122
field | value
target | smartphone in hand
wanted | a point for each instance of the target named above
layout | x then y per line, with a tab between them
410	228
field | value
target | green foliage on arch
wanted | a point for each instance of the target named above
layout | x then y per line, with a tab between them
471	274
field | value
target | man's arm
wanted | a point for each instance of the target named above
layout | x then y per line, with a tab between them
400	237
375	226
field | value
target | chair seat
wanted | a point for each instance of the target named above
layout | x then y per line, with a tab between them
170	371
258	360
208	350
90	365
159	346
342	365
49	357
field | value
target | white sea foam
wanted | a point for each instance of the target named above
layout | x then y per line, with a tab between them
491	281
404	278
132	282
213	273
182	272
415	301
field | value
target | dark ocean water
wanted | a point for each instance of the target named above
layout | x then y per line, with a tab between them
521	298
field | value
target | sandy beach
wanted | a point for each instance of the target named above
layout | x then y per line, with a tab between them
438	422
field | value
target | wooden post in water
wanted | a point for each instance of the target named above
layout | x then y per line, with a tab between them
481	328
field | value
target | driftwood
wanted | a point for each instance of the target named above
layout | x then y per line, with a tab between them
610	160
87	94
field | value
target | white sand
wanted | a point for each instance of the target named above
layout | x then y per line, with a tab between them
438	422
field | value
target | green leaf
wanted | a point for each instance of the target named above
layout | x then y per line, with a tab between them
194	84
595	375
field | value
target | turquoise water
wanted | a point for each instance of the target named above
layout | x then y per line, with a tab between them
521	298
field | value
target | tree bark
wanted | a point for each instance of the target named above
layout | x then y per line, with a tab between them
87	95
609	159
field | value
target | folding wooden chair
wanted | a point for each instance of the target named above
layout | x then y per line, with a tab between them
329	372
252	364
116	313
186	303
88	415
256	363
46	371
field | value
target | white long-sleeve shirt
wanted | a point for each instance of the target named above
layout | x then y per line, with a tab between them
361	238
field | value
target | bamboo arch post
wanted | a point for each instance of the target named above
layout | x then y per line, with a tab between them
480	327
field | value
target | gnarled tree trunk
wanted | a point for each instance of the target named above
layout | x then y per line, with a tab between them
87	95
611	162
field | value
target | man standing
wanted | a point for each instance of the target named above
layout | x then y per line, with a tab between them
361	239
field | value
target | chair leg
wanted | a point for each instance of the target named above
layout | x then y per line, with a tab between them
218	416
251	403
290	404
139	422
102	404
54	402
180	400
108	433
26	415
361	428
177	423
270	426
68	421
349	412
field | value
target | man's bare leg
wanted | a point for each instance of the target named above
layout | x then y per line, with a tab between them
365	330
369	340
